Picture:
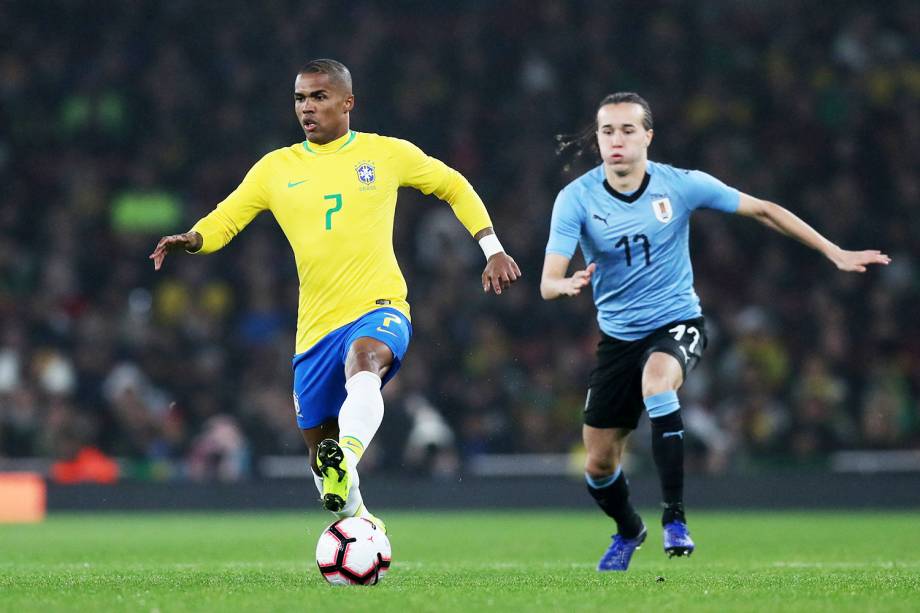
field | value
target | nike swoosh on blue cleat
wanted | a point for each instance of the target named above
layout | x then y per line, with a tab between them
295	184
677	541
620	552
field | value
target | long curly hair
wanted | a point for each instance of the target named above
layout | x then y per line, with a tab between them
584	140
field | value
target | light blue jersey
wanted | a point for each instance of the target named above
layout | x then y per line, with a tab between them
640	243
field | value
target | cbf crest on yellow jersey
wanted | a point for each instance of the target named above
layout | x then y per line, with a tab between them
336	203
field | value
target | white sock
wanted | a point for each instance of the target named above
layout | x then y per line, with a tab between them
318	482
359	417
355	501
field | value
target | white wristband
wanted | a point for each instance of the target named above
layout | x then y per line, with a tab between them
490	245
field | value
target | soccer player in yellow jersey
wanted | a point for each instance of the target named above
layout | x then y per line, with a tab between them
334	196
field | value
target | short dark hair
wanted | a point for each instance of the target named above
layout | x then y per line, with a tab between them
337	71
585	139
630	98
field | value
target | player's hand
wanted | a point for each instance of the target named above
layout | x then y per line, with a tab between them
856	261
571	286
189	241
501	271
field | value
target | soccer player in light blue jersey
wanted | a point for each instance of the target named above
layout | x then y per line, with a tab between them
630	216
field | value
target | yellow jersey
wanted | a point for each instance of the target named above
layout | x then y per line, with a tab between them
336	203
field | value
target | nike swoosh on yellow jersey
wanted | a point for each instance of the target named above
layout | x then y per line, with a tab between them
335	291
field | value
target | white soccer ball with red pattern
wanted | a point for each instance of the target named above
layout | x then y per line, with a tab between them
353	551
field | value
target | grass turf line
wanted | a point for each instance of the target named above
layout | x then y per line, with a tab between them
459	561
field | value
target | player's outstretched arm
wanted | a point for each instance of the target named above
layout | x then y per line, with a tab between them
501	269
189	241
554	283
432	176
782	220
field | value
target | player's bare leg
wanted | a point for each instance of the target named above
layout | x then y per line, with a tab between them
662	376
337	458
608	486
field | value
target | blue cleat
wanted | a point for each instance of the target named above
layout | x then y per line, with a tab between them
677	541
620	552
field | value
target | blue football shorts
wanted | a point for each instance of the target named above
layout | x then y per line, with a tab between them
319	372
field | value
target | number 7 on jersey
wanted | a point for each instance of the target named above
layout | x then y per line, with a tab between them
338	206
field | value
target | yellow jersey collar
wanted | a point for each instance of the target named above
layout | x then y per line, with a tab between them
333	146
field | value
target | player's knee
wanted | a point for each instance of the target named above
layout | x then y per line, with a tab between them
655	385
365	359
661	374
601	466
368	355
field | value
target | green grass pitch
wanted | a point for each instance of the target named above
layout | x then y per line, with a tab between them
462	561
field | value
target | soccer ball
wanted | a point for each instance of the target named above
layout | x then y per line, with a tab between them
353	551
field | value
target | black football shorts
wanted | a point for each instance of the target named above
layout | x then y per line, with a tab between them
615	385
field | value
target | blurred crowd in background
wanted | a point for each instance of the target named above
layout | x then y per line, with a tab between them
119	125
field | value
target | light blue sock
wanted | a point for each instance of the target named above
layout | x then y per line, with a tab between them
662	404
602	482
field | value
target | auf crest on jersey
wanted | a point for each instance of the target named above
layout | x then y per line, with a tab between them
662	209
367	175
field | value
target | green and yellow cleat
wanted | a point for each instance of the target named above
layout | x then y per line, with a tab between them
363	513
330	460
